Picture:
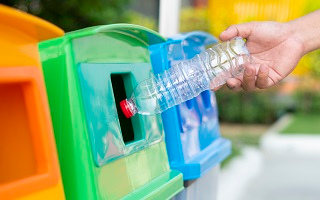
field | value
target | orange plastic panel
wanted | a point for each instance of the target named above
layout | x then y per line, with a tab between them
19	37
16	142
52	193
27	154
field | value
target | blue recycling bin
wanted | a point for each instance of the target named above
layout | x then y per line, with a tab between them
194	144
192	134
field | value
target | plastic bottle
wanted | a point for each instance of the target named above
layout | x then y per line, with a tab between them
188	79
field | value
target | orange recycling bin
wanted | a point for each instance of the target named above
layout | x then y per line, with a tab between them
29	166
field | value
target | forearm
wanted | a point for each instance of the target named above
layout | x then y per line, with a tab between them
307	30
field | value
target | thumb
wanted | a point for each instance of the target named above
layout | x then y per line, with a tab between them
242	30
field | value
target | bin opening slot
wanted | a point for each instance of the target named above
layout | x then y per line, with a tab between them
17	156
119	91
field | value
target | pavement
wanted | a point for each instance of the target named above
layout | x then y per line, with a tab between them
284	167
286	177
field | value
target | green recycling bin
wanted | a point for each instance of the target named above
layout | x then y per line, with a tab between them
102	154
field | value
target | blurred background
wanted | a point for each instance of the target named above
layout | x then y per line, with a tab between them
275	132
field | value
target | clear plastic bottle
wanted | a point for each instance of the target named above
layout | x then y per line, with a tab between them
188	79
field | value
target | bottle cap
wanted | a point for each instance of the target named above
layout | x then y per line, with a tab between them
126	108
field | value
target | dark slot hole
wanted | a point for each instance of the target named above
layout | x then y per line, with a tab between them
119	95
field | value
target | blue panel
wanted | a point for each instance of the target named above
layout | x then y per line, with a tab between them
193	139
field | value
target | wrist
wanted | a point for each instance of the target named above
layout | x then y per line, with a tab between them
297	34
306	30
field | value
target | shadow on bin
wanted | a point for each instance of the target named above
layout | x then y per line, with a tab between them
29	166
104	155
193	140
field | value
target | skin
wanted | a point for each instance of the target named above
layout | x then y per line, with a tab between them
276	49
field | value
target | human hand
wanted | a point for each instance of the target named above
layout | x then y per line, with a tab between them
275	50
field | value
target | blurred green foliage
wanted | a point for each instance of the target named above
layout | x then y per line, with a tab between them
192	19
266	106
142	20
303	123
314	66
74	14
245	107
307	101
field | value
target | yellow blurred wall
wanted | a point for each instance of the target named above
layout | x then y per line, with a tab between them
227	12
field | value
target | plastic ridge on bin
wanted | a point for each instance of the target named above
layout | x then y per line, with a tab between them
29	164
104	155
193	139
19	37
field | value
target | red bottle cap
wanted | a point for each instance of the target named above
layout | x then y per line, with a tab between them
126	108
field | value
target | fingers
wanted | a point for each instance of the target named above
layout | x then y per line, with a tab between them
263	80
242	30
249	78
234	84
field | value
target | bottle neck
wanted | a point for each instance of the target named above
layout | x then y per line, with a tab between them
132	106
128	107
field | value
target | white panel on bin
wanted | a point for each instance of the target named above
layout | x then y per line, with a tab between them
203	188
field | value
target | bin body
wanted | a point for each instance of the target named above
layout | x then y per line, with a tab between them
29	165
103	155
205	187
192	129
193	140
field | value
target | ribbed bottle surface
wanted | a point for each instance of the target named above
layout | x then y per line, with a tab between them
188	79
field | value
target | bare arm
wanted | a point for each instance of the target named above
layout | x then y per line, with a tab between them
308	29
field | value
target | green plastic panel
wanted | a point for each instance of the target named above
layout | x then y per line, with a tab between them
144	172
103	121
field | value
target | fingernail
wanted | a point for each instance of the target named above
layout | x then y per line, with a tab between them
264	68
248	71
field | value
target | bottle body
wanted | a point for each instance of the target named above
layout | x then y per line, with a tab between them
188	79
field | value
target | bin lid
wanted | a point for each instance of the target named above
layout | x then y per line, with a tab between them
141	33
30	25
19	37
